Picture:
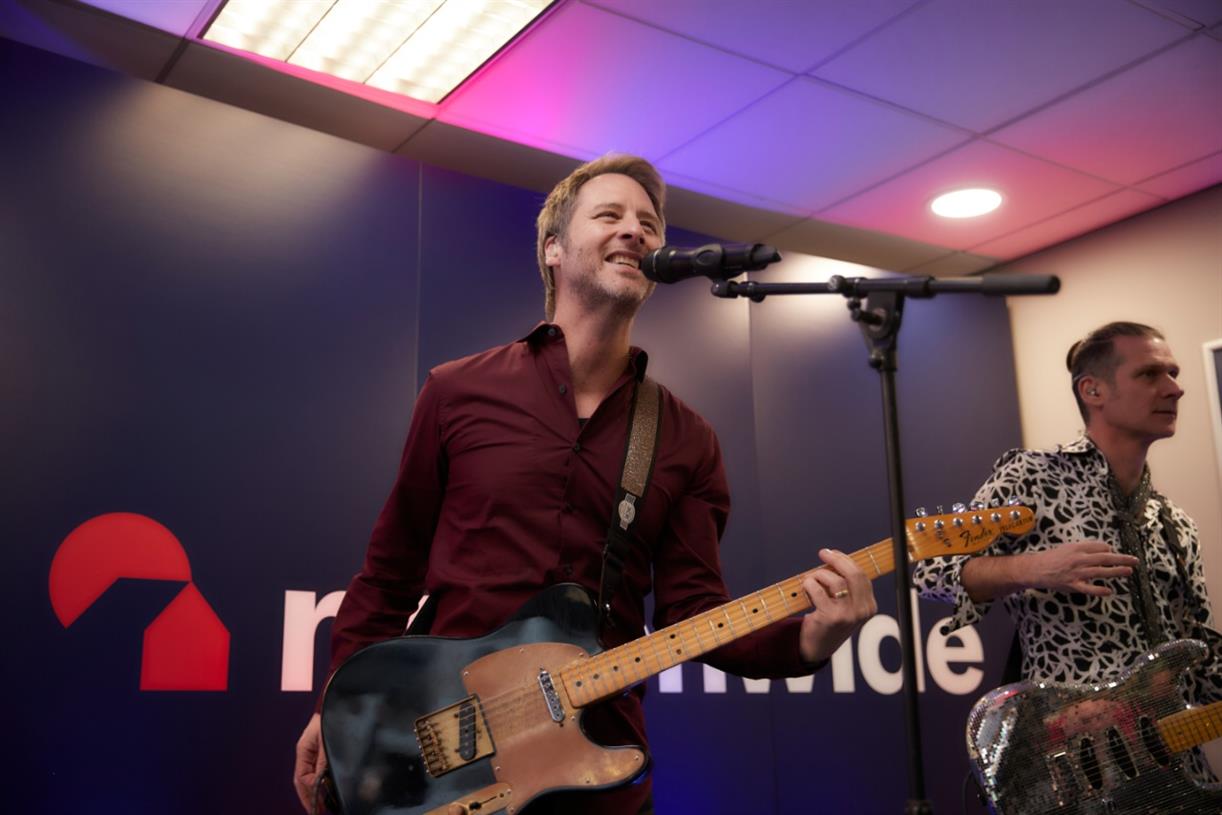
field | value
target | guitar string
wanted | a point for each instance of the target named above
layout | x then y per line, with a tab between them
650	649
877	558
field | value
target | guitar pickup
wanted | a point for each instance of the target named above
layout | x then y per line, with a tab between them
453	737
1064	783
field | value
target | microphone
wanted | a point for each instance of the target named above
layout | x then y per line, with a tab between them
717	261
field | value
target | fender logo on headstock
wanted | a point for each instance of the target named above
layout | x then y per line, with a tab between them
971	538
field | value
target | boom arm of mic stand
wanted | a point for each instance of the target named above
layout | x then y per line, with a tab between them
858	287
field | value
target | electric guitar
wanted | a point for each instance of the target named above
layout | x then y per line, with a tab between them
441	726
1045	748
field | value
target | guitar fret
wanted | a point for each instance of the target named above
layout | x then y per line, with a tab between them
700	649
877	571
729	621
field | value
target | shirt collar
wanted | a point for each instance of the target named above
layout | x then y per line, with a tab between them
545	332
1081	446
1085	448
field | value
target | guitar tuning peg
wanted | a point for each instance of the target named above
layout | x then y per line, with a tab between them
957	507
920	512
1014	501
994	503
975	505
940	510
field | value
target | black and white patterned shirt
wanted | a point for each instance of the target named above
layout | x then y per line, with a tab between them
1075	637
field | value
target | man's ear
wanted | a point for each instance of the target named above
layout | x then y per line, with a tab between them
1090	391
551	250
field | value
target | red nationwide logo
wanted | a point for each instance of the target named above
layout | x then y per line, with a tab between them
186	647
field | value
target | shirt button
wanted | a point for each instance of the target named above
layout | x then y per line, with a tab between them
577	447
564	388
568	570
568	507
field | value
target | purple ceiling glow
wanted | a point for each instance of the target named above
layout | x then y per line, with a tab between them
851	114
572	85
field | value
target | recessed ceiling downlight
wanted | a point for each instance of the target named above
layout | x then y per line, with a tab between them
968	203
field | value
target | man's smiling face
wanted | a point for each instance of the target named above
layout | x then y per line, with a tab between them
598	258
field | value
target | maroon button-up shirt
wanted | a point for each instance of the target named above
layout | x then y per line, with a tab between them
502	492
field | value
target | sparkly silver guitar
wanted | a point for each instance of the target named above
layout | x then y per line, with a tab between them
1113	749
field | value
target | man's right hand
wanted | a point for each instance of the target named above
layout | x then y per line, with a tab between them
1070	567
311	761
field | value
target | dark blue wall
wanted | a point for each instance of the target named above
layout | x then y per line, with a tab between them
219	320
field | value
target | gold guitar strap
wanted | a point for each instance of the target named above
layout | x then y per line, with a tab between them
644	427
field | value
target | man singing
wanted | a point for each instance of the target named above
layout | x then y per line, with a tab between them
509	476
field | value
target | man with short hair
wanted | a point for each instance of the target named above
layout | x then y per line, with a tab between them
508	478
1111	568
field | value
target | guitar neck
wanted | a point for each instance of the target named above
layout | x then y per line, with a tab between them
611	672
1188	728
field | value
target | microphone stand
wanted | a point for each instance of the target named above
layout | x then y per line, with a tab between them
880	324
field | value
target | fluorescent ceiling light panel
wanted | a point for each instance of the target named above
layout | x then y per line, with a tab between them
966	203
420	48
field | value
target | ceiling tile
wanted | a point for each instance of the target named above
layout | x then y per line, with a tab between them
1032	191
175	16
571	86
711	215
236	80
1191	12
789	35
1148	119
809	145
725	193
979	64
1187	179
841	242
955	264
88	35
1109	209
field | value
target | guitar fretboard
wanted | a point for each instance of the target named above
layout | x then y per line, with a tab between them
1188	728
590	679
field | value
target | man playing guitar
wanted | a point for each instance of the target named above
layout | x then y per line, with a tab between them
507	482
1112	568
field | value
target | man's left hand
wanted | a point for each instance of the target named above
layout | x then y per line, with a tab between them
843	598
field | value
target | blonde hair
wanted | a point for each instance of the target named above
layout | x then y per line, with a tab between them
558	208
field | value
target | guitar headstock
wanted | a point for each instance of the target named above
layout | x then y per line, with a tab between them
966	530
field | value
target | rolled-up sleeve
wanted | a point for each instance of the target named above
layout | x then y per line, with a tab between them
941	578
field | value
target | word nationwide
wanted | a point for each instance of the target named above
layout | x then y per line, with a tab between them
950	660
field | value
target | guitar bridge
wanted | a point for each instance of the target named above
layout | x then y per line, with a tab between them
453	737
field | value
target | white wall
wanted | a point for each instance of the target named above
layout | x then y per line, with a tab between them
1163	268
